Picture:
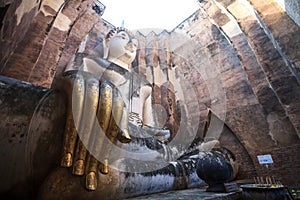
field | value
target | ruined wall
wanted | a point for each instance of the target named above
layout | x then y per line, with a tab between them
39	38
255	46
238	58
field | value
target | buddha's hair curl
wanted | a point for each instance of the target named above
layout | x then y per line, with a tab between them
116	30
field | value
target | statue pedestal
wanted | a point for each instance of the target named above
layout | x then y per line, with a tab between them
265	192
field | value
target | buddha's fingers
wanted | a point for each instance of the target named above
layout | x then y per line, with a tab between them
75	89
79	159
124	135
91	180
113	129
86	124
103	115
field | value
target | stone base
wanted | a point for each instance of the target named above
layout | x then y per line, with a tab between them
250	191
216	188
195	194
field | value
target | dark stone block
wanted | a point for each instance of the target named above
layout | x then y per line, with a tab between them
31	130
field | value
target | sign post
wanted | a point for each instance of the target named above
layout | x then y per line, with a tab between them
266	160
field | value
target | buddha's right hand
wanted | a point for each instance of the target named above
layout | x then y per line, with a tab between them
84	138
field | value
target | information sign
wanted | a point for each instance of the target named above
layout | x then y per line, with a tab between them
265	159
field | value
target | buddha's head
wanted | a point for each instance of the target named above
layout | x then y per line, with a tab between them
120	47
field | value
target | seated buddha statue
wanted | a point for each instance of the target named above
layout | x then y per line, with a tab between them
98	91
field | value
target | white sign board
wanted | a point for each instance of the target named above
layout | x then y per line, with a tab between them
265	159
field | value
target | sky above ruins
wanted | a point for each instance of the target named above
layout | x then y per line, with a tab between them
146	14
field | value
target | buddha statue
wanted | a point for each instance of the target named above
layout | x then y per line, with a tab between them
98	101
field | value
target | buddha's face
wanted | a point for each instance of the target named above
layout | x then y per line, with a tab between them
122	47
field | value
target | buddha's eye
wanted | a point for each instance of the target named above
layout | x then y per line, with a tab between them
135	43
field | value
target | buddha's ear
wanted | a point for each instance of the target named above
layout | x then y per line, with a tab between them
105	48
